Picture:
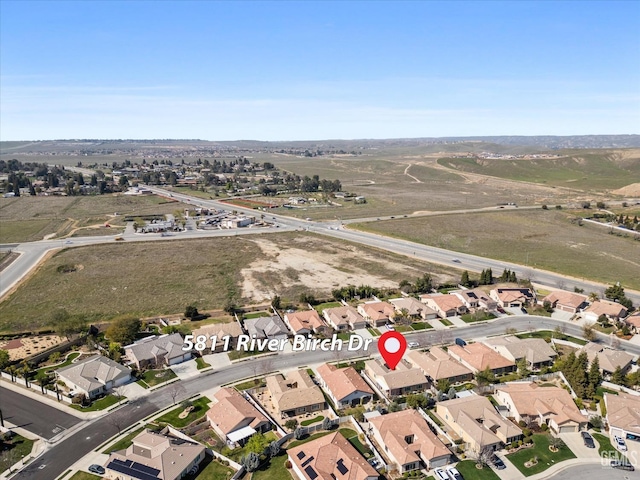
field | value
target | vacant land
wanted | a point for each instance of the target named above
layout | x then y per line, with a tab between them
26	219
132	278
584	169
546	239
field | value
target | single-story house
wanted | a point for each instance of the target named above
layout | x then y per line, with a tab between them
294	394
612	310
608	358
330	457
513	297
566	301
414	307
306	322
153	456
344	318
623	414
220	331
436	364
234	418
377	313
477	357
475	299
94	376
266	327
156	352
476	421
633	321
551	405
444	305
408	441
345	386
535	351
394	383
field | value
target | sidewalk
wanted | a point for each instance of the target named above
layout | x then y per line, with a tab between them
39	446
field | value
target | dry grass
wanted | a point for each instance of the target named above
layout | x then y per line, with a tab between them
543	239
31	218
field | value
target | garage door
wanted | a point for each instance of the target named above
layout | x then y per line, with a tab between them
567	429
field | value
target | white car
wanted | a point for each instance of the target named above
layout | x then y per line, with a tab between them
440	474
390	327
454	474
620	445
413	344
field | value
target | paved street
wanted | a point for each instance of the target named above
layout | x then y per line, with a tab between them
34	416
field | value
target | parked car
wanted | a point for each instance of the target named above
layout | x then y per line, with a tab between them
456	260
454	474
440	474
622	465
501	310
460	342
390	327
620	445
497	462
413	344
588	440
99	469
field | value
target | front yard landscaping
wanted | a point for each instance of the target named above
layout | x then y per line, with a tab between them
200	407
151	378
124	442
540	451
84	476
201	363
467	469
606	449
479	316
17	448
445	322
101	404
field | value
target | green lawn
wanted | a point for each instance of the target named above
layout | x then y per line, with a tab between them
18	447
311	421
540	449
296	443
274	470
102	404
606	449
201	363
548	334
364	449
445	322
256	315
250	384
344	336
537	310
151	378
467	469
348	432
374	331
212	470
403	328
50	368
83	476
477	317
201	407
319	308
124	442
421	325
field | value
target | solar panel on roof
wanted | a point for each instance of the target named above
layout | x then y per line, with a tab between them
141	467
341	467
301	455
307	461
311	472
124	468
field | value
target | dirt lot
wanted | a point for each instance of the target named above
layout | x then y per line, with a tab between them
107	281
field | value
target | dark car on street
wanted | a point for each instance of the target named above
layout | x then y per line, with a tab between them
622	465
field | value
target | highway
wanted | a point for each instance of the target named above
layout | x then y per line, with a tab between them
66	452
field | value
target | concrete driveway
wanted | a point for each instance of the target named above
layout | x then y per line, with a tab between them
185	370
576	444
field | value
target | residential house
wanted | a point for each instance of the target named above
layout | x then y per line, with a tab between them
535	351
513	297
405	437
306	322
612	310
623	414
437	365
329	458
551	405
444	305
475	299
394	383
474	419
157	352
377	313
154	456
220	331
477	356
266	327
294	394
94	376
234	418
345	386
344	318
608	358
633	321
415	308
566	301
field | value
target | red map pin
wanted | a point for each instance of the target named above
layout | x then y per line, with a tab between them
392	346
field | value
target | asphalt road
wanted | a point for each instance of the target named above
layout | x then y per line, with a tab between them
594	472
34	416
63	454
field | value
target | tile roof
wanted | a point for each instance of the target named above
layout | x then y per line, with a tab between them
413	306
294	391
605	307
568	299
443	302
402	377
378	310
305	319
329	458
94	372
232	411
623	411
608	358
343	315
168	346
534	350
437	364
342	382
394	428
220	330
479	356
264	327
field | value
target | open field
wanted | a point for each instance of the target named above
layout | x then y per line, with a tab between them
544	239
113	280
27	219
582	169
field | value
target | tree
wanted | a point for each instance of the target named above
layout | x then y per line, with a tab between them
273	449
451	393
257	443
191	312
588	332
616	293
298	433
416	400
555	443
484	377
594	376
276	301
4	359
617	376
483	456
251	461
464	280
175	389
291	424
547	306
443	384
123	330
523	367
327	424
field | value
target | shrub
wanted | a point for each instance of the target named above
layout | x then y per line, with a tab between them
287	464
544	427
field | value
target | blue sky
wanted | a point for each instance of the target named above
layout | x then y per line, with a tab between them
317	70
